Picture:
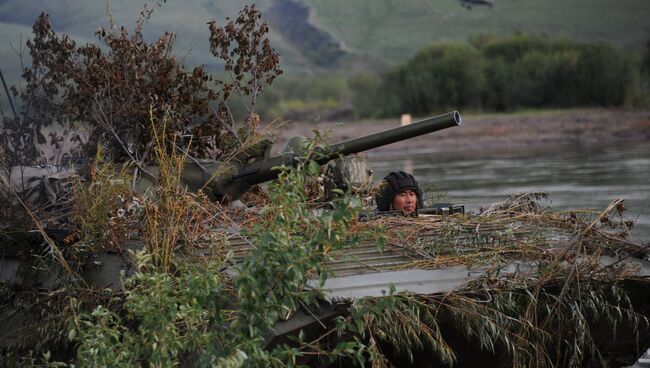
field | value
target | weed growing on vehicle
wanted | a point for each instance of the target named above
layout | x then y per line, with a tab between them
198	315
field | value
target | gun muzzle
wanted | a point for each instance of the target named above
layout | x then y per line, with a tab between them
386	137
261	171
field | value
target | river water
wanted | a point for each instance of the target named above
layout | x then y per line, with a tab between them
575	178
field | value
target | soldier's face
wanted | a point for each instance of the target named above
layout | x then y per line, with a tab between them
406	201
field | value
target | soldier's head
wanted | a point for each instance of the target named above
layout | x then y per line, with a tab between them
399	191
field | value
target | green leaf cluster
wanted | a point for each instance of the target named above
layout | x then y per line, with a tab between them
197	315
495	73
164	319
291	246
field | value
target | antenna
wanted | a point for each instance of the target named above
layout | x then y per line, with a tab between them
8	95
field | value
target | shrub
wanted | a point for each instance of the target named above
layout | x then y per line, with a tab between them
506	73
197	316
438	77
366	92
305	97
604	75
112	88
510	49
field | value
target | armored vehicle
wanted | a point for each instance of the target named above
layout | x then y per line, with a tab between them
514	285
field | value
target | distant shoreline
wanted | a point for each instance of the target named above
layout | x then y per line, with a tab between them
491	134
498	133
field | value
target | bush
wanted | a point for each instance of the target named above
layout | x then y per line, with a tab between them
638	92
604	75
116	88
305	97
509	49
506	73
197	316
366	95
440	76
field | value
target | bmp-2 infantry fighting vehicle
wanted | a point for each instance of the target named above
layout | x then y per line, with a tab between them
486	285
41	187
241	176
227	182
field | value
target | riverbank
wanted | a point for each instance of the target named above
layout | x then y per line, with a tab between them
496	134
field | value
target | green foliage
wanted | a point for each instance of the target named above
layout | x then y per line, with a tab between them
440	76
388	31
305	97
554	319
512	48
198	317
405	322
639	91
507	73
291	245
164	319
604	73
366	95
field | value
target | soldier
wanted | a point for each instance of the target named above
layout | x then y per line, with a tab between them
399	191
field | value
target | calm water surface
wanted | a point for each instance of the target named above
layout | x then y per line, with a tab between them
576	178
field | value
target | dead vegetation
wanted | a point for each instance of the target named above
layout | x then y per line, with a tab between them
558	307
521	225
546	297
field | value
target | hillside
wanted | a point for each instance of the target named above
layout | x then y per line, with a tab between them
390	30
315	36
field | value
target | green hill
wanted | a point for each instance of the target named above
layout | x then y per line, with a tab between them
388	31
331	35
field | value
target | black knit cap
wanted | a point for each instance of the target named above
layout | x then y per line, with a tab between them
393	184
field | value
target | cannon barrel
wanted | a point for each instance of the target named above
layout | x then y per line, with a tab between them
386	137
263	170
202	176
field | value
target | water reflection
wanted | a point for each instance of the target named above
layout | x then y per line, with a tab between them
575	178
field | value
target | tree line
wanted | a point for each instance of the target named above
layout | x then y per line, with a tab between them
489	73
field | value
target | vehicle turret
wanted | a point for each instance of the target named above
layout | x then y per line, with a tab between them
228	182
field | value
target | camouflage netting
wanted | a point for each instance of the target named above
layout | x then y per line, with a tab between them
561	305
66	245
559	288
519	228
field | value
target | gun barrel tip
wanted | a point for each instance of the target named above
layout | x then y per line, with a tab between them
457	117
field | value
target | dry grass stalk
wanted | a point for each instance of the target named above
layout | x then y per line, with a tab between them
546	314
53	248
